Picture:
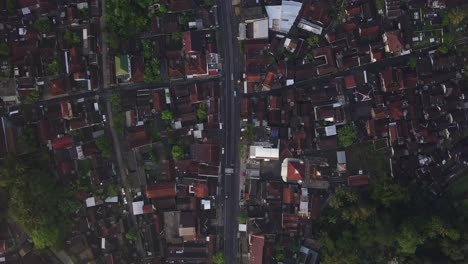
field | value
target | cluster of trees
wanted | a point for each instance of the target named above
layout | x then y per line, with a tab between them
347	135
127	18
391	221
105	146
118	115
152	65
52	68
201	112
43	207
43	25
72	38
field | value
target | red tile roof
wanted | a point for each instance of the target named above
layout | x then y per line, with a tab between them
369	31
159	103
161	190
200	189
288	195
350	82
257	243
63	142
57	86
358	180
394	42
296	171
137	68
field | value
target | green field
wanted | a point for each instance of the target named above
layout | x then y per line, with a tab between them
365	157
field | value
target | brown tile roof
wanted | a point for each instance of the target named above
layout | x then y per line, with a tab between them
257	243
161	190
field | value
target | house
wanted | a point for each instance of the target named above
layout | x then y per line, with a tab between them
208	153
256	243
161	190
264	153
393	42
282	17
293	170
123	71
358	180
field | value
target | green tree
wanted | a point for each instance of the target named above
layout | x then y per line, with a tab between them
52	67
32	97
116	102
112	190
218	258
313	40
408	239
11	7
104	145
132	234
162	8
72	38
456	16
4	49
242	217
386	192
36	201
176	36
127	18
201	112
412	62
177	152
167	116
280	253
112	40
43	25
347	135
379	4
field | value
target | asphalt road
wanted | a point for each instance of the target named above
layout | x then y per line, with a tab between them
231	119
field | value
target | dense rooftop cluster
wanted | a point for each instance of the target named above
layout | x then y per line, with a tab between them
338	98
117	132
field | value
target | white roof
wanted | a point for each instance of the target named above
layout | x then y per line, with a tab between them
330	130
206	204
242	227
311	27
90	202
341	156
113	199
103	243
138	207
260	152
282	17
260	29
2	259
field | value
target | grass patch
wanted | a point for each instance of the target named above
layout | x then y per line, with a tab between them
365	157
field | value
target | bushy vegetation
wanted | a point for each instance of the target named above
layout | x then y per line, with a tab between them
152	65
72	38
347	135
392	221
37	202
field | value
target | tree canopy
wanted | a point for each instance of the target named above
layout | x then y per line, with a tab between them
167	116
347	135
105	146
37	202
218	258
201	112
43	25
392	221
4	49
72	38
177	152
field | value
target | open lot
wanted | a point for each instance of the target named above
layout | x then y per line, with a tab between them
364	156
